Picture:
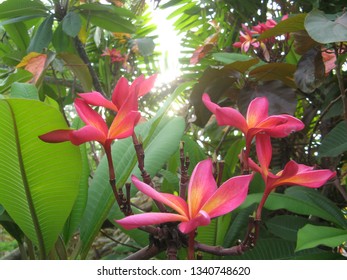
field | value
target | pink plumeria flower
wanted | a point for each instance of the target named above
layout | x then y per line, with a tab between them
205	201
96	129
114	54
246	40
292	174
121	93
257	120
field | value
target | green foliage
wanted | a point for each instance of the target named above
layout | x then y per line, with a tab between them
334	143
311	236
32	188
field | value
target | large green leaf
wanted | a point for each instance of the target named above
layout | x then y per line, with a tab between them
19	34
79	68
335	142
279	249
108	17
72	24
160	138
20	8
325	31
38	181
42	37
292	24
286	226
302	201
77	211
311	236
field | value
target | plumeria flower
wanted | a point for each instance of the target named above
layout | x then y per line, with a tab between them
96	128
292	174
257	120
205	201
121	93
246	40
114	54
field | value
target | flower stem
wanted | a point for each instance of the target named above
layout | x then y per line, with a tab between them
191	246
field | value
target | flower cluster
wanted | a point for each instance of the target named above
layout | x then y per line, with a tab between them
261	127
124	102
248	39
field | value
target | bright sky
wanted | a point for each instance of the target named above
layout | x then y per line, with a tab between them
169	44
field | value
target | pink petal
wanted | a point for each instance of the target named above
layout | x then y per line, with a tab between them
226	116
202	219
177	204
124	127
146	219
279	126
89	116
257	111
56	136
304	176
120	92
146	85
135	85
201	186
228	196
264	151
96	99
86	134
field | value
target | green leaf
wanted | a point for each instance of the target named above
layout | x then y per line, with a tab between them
194	151
62	42
160	138
42	36
77	211
325	31
311	236
38	181
292	24
228	58
19	34
302	201
146	45
107	17
24	90
79	68
335	142
20	8
286	226
275	71
72	24
20	75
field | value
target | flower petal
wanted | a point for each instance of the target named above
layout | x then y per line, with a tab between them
56	136
120	92
229	196
86	134
146	219
226	116
264	151
181	206
201	186
146	85
96	99
257	111
123	128
202	219
89	116
304	176
279	126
